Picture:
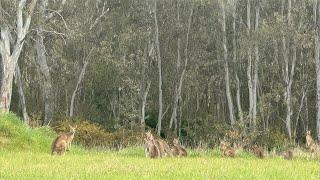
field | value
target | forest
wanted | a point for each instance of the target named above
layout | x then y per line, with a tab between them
193	69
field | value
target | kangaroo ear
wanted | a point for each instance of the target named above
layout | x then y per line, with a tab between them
76	127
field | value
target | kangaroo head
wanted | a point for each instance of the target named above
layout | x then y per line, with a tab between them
308	132
73	129
223	145
175	141
149	135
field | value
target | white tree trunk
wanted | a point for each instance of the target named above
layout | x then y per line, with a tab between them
10	55
81	76
21	95
226	66
46	78
317	62
180	83
288	76
255	72
159	69
144	102
249	68
234	44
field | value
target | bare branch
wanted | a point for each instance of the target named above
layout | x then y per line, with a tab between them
51	14
103	12
59	14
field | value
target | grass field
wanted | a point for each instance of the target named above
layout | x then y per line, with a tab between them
25	154
131	164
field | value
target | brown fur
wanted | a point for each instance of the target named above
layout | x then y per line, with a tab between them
313	148
59	146
150	149
160	144
175	151
309	140
181	150
258	151
63	142
227	150
288	155
310	143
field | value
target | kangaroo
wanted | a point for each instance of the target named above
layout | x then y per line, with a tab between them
175	151
258	151
309	140
177	147
227	150
160	144
150	149
59	146
288	155
63	142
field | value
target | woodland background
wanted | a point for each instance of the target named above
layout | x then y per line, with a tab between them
188	68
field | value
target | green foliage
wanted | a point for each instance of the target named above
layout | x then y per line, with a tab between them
16	136
203	133
274	139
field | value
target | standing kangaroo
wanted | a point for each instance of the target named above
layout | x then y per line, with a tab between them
150	149
309	140
63	142
177	149
162	145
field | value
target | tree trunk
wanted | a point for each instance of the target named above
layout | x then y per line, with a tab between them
317	62
226	66
81	76
159	69
249	68
288	75
255	72
234	45
46	78
21	95
10	55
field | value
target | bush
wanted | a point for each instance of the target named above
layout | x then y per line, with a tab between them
274	139
90	134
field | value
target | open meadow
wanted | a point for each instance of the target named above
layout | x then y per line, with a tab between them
132	164
25	154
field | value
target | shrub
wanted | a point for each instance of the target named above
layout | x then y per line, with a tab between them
90	134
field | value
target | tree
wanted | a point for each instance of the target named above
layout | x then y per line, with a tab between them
10	51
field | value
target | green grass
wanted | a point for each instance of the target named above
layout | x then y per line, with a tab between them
25	154
131	164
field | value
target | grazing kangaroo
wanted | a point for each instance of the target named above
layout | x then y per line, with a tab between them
63	142
177	149
288	155
151	150
160	144
227	150
258	151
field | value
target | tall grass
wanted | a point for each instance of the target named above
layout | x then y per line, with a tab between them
16	136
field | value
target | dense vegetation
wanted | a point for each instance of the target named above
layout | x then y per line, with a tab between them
192	68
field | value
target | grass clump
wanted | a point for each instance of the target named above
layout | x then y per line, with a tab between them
16	136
